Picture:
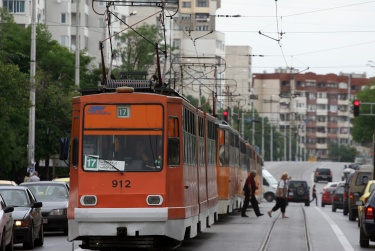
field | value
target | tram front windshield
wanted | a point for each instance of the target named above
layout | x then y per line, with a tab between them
125	153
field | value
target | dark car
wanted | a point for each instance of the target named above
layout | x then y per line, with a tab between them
327	196
323	174
367	221
27	216
55	196
6	225
338	197
298	191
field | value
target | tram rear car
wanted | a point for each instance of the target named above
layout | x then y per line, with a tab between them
117	199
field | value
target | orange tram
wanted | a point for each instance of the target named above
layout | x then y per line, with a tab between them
148	169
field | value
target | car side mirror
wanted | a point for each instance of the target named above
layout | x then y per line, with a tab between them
357	194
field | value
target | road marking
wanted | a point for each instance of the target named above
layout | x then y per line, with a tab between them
344	242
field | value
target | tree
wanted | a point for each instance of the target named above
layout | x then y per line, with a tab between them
14	103
342	153
205	105
364	126
138	52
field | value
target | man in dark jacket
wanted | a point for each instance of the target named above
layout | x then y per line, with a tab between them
249	189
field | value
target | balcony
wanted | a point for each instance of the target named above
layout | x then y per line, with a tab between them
322	146
322	124
342	102
321	112
321	135
322	101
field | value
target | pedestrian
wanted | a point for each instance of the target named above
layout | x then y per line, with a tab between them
281	196
26	178
250	188
34	177
314	195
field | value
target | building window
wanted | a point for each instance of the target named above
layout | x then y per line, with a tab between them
101	23
186	4
176	43
202	3
64	41
64	18
312	95
14	6
310	84
201	28
185	16
202	16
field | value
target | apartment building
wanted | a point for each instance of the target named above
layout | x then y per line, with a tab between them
313	109
200	50
238	74
62	21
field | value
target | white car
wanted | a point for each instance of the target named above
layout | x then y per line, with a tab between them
332	184
6	223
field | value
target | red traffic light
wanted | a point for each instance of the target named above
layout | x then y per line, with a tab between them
225	113
356	102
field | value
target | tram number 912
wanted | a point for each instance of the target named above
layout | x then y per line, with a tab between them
121	184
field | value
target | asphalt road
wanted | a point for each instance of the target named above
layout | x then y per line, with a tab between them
307	228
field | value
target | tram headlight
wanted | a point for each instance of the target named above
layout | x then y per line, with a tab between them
154	200
88	200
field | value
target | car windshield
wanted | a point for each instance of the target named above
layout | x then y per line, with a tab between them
15	198
363	178
324	171
48	192
122	153
340	190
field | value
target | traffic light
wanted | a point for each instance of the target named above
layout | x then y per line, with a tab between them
225	115
356	104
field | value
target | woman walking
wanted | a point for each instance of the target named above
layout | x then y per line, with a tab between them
281	195
314	195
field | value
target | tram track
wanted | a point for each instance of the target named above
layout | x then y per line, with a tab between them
274	235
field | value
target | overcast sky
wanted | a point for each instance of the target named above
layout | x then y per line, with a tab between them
328	36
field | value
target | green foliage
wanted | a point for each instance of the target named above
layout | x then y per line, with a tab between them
364	125
55	85
342	153
137	53
14	103
205	105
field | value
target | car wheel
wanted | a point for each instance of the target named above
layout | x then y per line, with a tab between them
359	223
363	240
269	197
315	180
30	242
40	241
345	211
323	204
333	208
10	246
307	203
351	215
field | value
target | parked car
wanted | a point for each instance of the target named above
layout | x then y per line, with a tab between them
298	191
338	197
323	174
55	196
346	194
357	185
27	215
7	183
367	221
6	223
66	179
331	184
327	196
366	193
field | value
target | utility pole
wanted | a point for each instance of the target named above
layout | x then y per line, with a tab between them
31	140
78	23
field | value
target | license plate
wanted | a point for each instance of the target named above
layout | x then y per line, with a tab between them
290	193
45	221
324	176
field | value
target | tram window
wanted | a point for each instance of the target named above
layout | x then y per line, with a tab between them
173	152
128	152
